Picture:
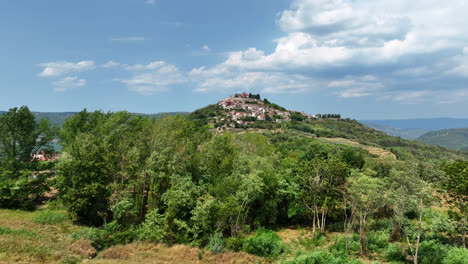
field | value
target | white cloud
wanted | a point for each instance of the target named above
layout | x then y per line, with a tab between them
128	39
54	69
355	87
206	48
153	77
110	64
141	67
68	83
323	38
150	2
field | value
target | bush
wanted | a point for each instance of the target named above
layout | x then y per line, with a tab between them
153	227
265	243
216	243
124	211
432	252
377	241
339	247
309	243
394	253
456	256
50	217
235	243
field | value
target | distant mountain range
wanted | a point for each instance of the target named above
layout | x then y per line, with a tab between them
456	138
414	128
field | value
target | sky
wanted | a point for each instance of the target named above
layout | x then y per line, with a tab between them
381	59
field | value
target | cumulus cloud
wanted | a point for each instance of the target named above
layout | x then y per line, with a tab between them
68	83
54	69
153	77
326	40
355	87
206	48
150	2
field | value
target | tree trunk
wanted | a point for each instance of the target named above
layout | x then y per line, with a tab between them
362	236
324	217
396	234
418	236
345	227
464	232
313	226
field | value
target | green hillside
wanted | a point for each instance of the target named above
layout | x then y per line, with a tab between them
348	129
207	188
456	138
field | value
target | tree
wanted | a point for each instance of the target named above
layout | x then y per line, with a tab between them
20	137
320	180
366	195
456	185
410	193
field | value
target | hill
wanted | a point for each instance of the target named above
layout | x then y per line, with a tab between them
456	138
226	179
422	123
397	132
224	117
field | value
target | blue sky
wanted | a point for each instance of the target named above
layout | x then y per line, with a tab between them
364	59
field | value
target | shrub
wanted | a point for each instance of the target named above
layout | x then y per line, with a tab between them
394	253
265	243
339	247
309	243
153	227
216	243
456	256
50	217
377	241
431	252
235	243
124	211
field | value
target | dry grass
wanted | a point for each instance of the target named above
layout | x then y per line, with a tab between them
160	254
24	241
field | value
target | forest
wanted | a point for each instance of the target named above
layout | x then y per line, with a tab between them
127	178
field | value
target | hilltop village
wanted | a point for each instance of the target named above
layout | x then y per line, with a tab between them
246	109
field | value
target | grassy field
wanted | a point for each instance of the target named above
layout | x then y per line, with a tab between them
46	237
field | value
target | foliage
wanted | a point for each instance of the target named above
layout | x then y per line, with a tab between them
153	227
432	251
20	137
265	243
394	253
456	256
216	243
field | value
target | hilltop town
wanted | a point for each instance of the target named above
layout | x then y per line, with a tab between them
249	110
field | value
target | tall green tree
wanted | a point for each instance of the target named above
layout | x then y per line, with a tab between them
366	195
456	185
20	137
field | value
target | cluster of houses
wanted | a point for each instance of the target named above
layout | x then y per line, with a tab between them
43	156
243	109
